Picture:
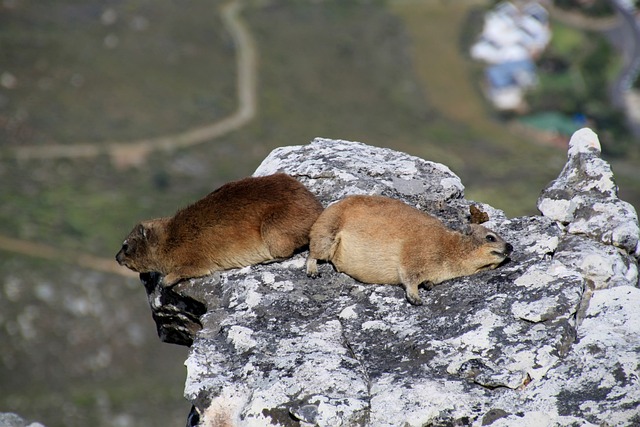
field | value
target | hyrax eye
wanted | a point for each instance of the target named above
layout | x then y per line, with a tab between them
491	238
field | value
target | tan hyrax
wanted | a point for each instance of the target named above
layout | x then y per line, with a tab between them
250	221
380	240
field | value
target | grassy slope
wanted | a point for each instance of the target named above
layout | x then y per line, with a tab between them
177	73
449	78
347	89
168	71
398	81
499	166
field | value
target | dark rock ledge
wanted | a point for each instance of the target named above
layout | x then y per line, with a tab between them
550	339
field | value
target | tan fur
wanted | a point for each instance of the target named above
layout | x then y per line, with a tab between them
245	222
376	239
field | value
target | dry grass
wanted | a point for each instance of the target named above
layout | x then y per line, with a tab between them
435	31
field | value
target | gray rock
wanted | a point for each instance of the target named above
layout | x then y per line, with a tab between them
547	339
9	419
585	197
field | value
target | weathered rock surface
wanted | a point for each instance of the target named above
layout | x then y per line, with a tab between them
550	338
9	419
585	197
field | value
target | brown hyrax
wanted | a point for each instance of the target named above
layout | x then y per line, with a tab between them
380	240
245	222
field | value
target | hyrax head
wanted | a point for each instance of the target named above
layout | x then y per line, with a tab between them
138	251
490	250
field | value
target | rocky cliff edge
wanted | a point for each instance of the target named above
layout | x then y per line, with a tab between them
552	338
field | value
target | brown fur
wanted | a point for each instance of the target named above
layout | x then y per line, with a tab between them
245	222
376	239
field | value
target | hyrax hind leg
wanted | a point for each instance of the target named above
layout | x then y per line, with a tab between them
411	283
312	266
320	248
282	234
323	242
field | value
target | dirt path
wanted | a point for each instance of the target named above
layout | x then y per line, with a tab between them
38	250
124	154
582	22
132	153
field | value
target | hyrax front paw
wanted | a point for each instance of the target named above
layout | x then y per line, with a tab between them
312	267
414	298
169	280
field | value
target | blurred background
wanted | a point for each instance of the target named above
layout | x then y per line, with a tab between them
116	111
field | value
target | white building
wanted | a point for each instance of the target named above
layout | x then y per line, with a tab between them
512	34
512	37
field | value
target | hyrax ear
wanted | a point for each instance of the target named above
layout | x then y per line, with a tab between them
147	232
478	216
141	231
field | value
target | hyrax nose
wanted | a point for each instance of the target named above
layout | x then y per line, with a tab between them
509	248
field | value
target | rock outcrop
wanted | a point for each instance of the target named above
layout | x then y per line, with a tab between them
9	419
550	338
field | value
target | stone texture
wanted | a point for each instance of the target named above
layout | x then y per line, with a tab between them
9	419
547	339
585	197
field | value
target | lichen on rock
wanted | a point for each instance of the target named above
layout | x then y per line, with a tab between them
547	339
9	419
584	197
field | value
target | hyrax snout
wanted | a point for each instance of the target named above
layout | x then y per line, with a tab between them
380	240
250	221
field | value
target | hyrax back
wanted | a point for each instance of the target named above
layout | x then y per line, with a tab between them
245	222
376	239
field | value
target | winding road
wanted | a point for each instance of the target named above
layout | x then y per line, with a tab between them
38	250
124	154
134	152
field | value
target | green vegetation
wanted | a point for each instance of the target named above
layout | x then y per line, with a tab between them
575	72
595	8
401	81
566	41
497	164
89	71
